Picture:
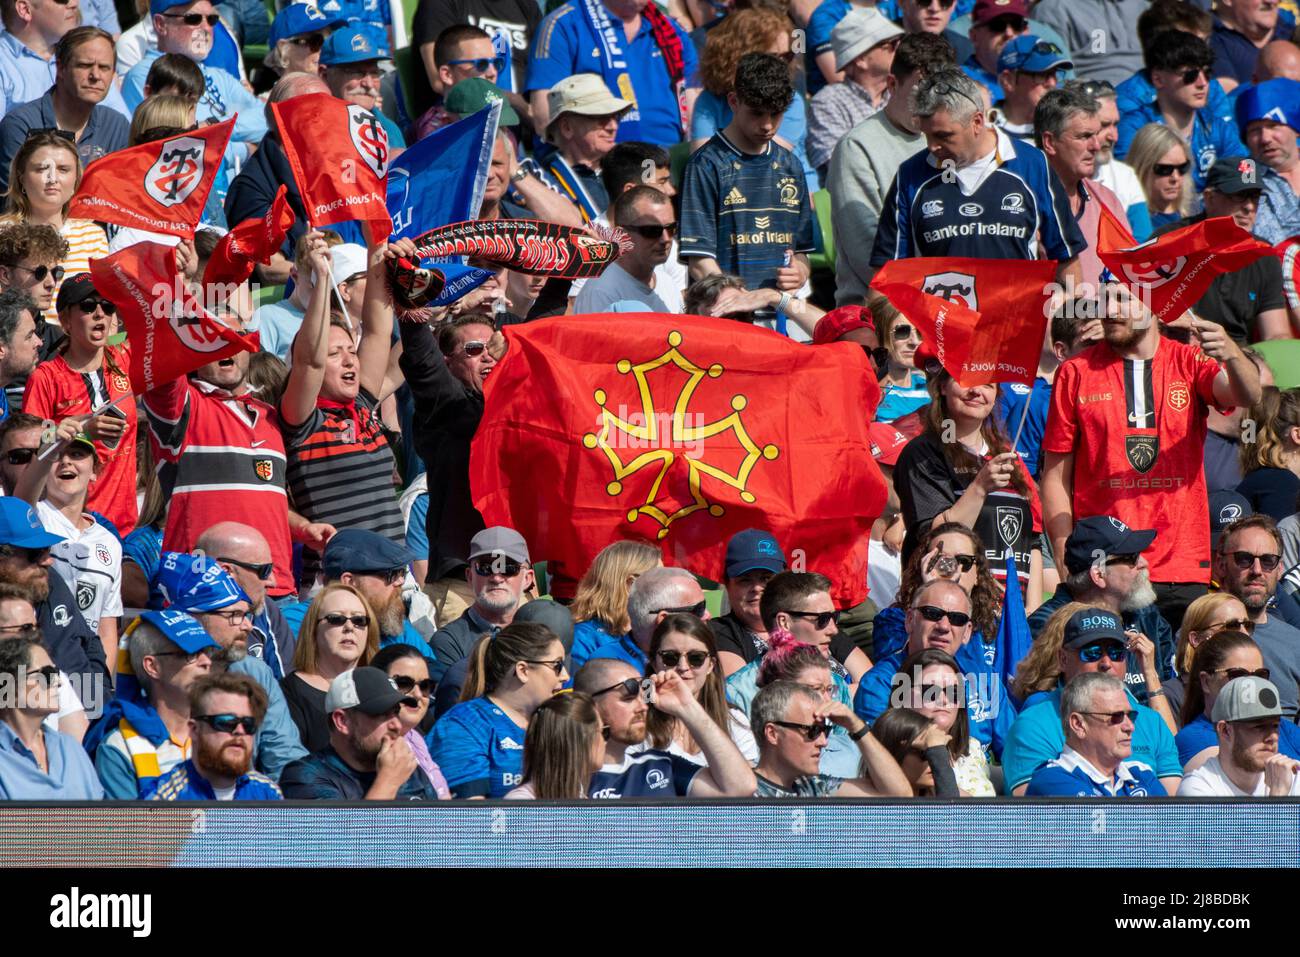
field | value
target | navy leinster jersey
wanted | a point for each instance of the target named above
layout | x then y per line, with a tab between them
745	210
1009	205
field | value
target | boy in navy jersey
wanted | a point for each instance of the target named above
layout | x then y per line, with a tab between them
745	205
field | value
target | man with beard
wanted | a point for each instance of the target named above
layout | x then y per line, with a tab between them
1126	437
499	573
368	757
1247	565
225	711
245	555
199	586
1105	568
1247	717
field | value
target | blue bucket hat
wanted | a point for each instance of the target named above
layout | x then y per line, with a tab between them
196	583
299	18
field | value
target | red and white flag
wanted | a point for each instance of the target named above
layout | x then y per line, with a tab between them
252	241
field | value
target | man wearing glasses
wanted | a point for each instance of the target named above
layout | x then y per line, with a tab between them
1093	642
1096	761
656	594
992	24
29	262
18	620
933	17
1247	565
646	215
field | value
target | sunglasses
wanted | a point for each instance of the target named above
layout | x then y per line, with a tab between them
227	723
1235	624
33	555
195	19
958	619
46	674
810	731
1111	649
91	304
949	693
20	456
903	331
1235	673
29	630
263	570
1169	169
943	89
628	688
695	659
557	665
927	4
406	684
508	568
390	577
40	272
698	610
189	656
820	619
52	130
337	619
1192	75
313	41
1114	717
1001	24
1122	559
480	64
653	230
1246	560
474	347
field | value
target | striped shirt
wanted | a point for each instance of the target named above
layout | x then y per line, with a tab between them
340	471
85	240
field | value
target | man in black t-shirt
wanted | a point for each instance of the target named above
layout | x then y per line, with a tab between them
753	557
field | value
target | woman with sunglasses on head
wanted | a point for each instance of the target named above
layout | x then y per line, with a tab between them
1206	617
600	606
902	385
931	683
922	749
479	744
408	670
1161	159
45	174
339	632
565	746
1218	660
684	644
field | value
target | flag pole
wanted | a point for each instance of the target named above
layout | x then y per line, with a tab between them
1024	415
334	284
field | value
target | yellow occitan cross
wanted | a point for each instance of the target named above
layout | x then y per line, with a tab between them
680	433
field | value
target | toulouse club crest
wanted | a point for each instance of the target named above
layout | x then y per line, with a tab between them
953	286
1153	273
369	139
189	328
177	172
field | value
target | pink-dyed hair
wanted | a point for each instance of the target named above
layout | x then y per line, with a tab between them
787	657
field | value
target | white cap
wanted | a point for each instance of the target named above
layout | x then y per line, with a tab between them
860	30
347	259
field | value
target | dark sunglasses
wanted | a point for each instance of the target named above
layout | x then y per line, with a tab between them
90	304
927	4
227	723
950	693
312	41
194	19
508	568
653	230
628	687
1169	169
337	619
944	88
557	665
46	674
1111	649
1246	560
698	610
1000	24
958	619
1236	624
34	555
52	130
1096	87
474	347
406	684
480	64
390	577
40	272
820	619
810	731
28	630
1193	74
1122	559
902	331
189	656
1114	717
1235	673
263	571
695	659
20	456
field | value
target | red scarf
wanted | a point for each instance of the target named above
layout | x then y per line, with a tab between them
328	405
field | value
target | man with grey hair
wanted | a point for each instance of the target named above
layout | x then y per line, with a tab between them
974	192
792	726
654	596
1116	175
20	343
1099	724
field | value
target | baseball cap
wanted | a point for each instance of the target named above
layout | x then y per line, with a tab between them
753	550
499	540
861	29
299	18
1226	506
181	630
348	259
838	321
1093	624
585	94
886	442
986	10
74	289
355	43
1233	174
162	6
19	525
367	689
359	550
1031	54
1103	534
473	93
196	583
551	615
1246	699
1277	100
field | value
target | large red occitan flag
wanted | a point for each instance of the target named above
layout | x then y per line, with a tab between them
680	430
161	187
983	319
1171	272
252	241
170	332
339	154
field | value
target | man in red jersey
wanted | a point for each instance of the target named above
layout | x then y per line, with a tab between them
1126	436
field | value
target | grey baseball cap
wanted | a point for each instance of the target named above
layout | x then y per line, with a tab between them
1247	699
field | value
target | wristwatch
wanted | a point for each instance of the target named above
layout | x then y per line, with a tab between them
518	175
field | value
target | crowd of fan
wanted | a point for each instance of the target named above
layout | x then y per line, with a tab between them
280	586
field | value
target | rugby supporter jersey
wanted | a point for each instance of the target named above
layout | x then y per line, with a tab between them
479	749
745	210
90	562
1072	775
1137	431
1009	205
650	773
221	458
55	391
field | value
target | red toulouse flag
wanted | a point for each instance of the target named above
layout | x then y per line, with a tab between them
984	319
160	187
252	241
1171	272
339	156
169	331
1288	250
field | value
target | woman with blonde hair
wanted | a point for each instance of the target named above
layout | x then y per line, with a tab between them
338	633
162	111
565	746
902	385
1270	461
1206	617
600	607
45	175
1162	160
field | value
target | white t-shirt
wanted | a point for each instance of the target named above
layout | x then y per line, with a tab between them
1209	780
90	562
224	794
884	569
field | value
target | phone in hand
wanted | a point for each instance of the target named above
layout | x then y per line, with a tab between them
116	413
